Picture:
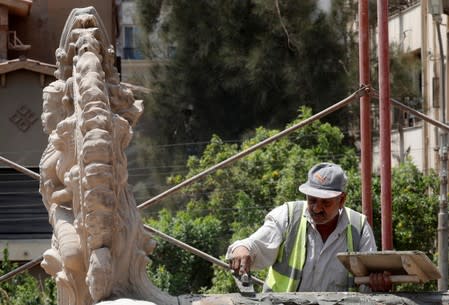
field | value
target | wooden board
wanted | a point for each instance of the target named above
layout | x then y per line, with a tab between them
404	266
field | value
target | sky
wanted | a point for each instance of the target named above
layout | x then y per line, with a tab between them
325	5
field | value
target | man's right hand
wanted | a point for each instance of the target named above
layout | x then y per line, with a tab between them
240	260
380	282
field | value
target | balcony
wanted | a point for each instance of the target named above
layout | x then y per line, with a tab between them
14	43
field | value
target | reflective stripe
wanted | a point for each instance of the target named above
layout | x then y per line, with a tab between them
350	245
353	235
349	233
279	283
285	274
298	256
355	228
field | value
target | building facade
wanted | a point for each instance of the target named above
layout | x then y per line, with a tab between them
130	43
413	30
29	35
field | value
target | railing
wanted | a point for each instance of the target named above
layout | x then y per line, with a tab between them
14	42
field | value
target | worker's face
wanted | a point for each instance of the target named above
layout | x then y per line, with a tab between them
324	210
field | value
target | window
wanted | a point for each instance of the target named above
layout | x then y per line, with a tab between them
130	47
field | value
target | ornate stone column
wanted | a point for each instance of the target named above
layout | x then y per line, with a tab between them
99	246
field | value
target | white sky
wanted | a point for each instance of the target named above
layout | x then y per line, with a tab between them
325	5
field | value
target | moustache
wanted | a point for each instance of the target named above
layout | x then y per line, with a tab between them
317	214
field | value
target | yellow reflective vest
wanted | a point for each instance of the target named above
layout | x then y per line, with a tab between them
285	274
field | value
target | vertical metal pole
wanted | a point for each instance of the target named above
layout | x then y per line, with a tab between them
385	124
365	111
425	82
401	136
442	215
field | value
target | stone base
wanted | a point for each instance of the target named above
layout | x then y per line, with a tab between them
125	302
319	298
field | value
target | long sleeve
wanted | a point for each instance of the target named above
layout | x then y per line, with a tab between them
263	244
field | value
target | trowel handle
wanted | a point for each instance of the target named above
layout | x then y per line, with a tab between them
394	279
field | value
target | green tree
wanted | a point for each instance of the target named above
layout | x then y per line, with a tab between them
414	193
238	197
227	67
241	64
238	65
24	289
178	271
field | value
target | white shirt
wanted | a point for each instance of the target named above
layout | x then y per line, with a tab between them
322	269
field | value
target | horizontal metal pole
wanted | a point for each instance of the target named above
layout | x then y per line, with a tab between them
164	236
20	168
363	90
195	251
357	94
21	268
421	115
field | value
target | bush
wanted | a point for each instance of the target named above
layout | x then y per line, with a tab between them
24	289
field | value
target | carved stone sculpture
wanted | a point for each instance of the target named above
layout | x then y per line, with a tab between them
99	246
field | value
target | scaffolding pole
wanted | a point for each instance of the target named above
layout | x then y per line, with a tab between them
385	125
442	214
365	112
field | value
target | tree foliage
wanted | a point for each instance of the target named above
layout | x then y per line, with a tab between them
239	65
24	289
223	68
184	272
238	197
414	212
227	67
413	194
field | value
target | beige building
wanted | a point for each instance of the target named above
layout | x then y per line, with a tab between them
413	30
29	35
134	66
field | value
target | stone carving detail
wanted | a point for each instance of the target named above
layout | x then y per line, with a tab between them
99	246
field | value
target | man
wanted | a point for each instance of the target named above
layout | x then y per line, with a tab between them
300	239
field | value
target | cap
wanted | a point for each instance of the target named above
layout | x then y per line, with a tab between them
325	180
